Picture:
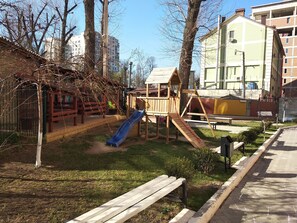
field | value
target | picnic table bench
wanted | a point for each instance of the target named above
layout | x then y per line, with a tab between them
129	204
214	124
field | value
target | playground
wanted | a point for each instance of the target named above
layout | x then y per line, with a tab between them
74	180
83	172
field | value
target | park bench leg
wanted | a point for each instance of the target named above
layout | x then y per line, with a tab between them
185	192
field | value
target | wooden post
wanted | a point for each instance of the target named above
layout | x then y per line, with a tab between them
167	128
146	127
185	192
50	111
75	108
158	126
187	106
139	128
128	105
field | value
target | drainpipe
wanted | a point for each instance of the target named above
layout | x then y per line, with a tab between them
218	51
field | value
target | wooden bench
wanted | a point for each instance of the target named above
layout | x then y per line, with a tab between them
214	124
237	145
131	203
222	119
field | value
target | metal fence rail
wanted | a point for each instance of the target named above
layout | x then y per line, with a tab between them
18	110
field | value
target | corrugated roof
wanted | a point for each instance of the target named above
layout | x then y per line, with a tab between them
163	76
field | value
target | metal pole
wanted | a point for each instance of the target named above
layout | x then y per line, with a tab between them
131	63
218	51
105	38
243	73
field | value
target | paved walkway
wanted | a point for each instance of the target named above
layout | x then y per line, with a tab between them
268	193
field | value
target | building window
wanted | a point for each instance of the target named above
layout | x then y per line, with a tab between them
286	60
285	81
231	36
287	40
288	20
285	70
287	50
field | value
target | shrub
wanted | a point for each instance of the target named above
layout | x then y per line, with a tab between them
205	160
247	136
258	130
180	167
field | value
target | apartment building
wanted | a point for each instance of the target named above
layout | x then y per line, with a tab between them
242	58
75	51
283	15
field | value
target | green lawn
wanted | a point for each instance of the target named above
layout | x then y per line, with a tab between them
72	181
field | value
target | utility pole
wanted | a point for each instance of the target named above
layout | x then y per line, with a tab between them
105	38
243	71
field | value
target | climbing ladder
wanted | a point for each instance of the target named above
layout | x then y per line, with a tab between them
186	130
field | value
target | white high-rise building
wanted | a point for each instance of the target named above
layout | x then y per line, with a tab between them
52	46
75	50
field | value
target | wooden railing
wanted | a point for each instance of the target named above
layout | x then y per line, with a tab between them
161	105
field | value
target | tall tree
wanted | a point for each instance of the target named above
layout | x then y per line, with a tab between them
184	20
26	24
89	35
190	30
65	34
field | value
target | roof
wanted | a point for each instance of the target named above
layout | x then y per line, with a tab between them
163	76
230	19
25	52
236	16
274	3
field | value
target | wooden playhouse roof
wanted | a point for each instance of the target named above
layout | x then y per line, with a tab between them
163	76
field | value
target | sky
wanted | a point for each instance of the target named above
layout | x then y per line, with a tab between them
137	26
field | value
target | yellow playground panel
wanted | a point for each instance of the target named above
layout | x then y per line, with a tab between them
229	107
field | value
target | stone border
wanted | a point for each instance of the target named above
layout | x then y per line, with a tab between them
207	211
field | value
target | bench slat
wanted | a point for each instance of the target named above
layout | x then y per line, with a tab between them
199	121
120	207
117	200
198	114
128	213
183	216
236	146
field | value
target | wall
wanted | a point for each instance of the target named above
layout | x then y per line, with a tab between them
256	106
236	107
230	107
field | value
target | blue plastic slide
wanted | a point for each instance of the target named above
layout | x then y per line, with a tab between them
124	129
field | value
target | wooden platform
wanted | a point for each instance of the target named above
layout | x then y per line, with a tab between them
63	131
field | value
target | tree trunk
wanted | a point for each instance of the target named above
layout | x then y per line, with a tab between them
89	36
63	34
40	131
189	34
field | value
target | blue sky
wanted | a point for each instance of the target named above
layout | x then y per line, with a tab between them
138	27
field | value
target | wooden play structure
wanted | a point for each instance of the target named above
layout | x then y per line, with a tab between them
194	94
167	105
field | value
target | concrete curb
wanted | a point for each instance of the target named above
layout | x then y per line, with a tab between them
207	211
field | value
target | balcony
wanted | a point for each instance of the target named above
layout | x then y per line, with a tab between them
286	21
